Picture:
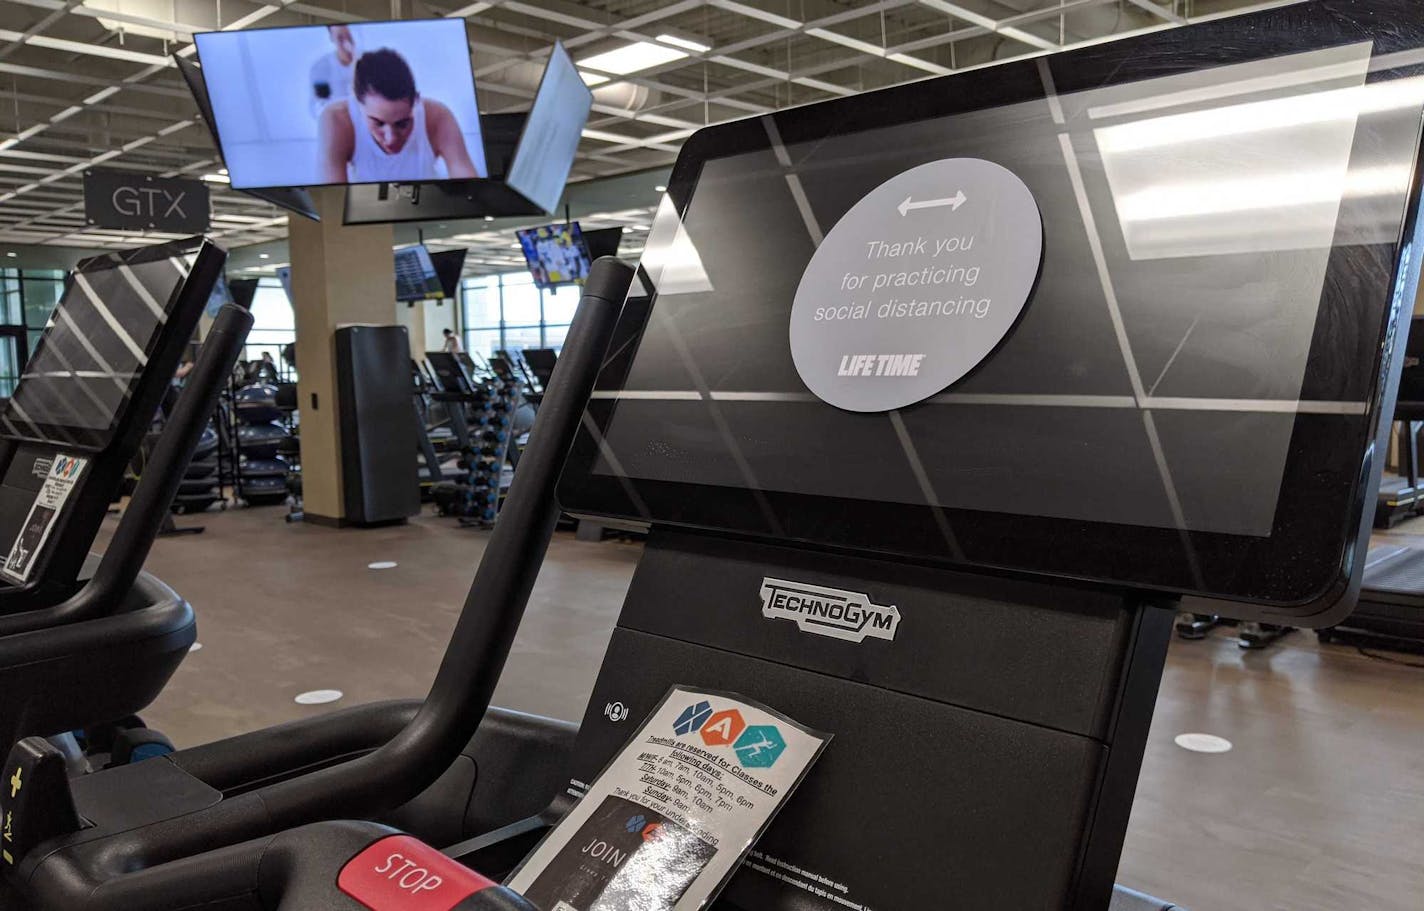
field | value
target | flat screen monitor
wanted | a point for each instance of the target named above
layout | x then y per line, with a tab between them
556	254
368	102
284	275
1083	316
243	291
221	295
450	372
92	359
603	242
550	140
416	279
449	266
293	199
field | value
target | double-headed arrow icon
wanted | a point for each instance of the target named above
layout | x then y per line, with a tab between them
956	201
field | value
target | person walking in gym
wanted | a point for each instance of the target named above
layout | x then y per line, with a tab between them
452	343
386	131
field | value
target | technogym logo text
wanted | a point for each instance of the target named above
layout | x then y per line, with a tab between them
828	611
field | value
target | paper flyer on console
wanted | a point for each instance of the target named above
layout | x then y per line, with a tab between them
64	473
673	814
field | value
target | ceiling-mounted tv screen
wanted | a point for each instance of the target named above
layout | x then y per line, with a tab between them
449	265
545	154
284	275
243	291
369	102
602	242
416	279
219	296
555	253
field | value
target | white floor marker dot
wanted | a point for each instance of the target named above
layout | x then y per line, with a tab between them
196	647
382	564
319	697
1203	743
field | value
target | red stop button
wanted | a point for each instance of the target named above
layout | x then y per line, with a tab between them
401	873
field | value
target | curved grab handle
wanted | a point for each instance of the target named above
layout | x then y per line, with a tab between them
138	527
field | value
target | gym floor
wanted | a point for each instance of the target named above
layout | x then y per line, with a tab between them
1319	806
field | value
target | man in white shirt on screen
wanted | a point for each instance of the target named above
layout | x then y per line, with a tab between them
333	72
387	132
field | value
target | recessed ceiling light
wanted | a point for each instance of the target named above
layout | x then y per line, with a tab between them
217	178
660	188
222	170
630	58
627	230
264	256
12	254
489	218
696	47
592	79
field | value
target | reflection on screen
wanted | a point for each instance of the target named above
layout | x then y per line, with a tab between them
284	275
362	103
220	296
551	134
416	278
94	350
556	254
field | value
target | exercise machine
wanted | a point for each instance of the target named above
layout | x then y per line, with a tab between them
1390	613
98	656
88	398
987	656
1401	495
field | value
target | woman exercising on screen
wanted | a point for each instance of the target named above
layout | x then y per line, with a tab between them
385	131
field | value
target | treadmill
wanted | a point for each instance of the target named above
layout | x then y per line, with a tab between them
1187	412
1390	613
1401	495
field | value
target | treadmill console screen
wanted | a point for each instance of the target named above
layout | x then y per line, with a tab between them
78	383
1115	313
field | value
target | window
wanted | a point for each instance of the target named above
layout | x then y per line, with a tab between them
273	323
508	311
27	298
40	291
12	311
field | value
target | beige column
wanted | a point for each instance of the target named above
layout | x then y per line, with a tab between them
340	275
413	319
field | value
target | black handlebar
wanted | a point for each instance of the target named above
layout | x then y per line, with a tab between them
494	607
129	547
138	869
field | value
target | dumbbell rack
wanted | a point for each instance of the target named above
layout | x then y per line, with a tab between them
491	432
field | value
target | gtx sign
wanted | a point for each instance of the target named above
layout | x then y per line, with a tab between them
828	611
140	202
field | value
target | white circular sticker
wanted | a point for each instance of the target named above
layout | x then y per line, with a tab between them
318	697
1203	743
916	284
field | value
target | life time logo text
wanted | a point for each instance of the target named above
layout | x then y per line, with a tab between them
880	365
833	612
757	746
